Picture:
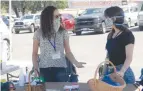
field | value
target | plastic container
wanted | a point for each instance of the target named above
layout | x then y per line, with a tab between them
21	78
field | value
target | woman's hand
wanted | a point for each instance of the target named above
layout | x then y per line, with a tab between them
36	73
120	73
80	64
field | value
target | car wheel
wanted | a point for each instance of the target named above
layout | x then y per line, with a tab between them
129	22
13	30
78	33
136	24
6	49
141	28
16	31
32	28
73	31
104	29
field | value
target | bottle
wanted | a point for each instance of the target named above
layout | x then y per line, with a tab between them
27	77
21	78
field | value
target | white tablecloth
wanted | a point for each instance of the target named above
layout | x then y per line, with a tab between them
8	69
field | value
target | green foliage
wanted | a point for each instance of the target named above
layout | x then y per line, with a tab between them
33	6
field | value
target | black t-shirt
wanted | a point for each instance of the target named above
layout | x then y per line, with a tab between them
116	47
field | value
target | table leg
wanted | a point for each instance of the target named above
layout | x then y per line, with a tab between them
7	77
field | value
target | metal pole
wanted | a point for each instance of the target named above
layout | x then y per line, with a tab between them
0	6
10	28
1	43
0	39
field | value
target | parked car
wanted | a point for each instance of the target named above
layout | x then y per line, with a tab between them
68	22
92	19
140	18
27	22
4	40
131	13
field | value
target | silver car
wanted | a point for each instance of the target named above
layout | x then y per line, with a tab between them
140	18
27	22
4	41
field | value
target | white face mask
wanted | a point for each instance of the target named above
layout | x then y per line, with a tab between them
110	21
56	24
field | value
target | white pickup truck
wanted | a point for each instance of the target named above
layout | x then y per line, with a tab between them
140	18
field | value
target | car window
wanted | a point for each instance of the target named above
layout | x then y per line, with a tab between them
92	11
37	17
27	17
70	16
65	16
2	25
134	9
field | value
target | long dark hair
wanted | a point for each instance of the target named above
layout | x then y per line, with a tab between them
118	13
46	22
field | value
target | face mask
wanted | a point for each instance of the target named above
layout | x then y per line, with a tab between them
111	21
56	24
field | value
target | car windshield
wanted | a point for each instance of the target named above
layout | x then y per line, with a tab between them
92	11
126	10
27	17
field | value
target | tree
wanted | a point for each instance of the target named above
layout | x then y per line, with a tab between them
4	6
62	4
15	7
25	6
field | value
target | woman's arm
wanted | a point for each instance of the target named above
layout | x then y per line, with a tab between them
70	55
35	54
129	55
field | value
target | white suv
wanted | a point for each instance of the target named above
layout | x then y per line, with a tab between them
140	18
4	41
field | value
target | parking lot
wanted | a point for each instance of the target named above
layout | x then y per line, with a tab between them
88	47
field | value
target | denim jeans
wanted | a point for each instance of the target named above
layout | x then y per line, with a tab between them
128	75
54	74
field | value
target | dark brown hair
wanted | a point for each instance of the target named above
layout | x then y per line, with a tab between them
114	12
46	22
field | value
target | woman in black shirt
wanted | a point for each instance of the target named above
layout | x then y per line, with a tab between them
120	44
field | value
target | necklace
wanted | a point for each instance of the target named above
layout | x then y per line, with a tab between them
116	34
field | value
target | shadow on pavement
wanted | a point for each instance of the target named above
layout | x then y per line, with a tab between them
25	33
88	33
135	29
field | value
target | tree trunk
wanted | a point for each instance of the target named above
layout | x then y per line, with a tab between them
15	8
16	11
23	11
